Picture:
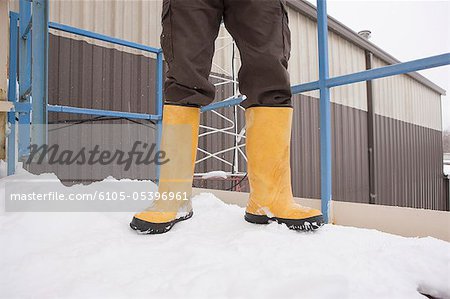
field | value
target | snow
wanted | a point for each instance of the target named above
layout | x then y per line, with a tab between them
216	254
215	174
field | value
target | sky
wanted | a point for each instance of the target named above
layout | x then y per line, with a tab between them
407	30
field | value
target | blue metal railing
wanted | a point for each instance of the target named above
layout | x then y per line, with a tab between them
12	92
323	84
325	110
101	112
382	72
20	33
105	38
24	46
121	42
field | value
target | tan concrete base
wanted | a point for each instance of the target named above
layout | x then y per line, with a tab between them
405	222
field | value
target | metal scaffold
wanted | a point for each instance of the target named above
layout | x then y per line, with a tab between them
225	76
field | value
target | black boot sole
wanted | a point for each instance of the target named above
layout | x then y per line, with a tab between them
150	228
307	224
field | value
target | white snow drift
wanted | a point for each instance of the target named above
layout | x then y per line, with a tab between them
214	255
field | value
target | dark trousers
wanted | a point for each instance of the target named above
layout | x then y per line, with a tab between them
260	29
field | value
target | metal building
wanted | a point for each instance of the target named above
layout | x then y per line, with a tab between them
387	145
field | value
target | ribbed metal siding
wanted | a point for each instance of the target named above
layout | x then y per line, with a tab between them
350	155
345	58
138	21
409	165
86	75
90	76
403	98
447	193
305	147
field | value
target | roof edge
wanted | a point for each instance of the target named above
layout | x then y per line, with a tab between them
334	25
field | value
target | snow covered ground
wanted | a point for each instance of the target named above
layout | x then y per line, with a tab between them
216	254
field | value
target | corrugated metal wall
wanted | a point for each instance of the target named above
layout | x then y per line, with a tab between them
133	20
350	154
408	158
409	167
345	58
86	75
403	98
90	76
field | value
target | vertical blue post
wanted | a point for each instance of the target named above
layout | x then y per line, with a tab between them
24	75
159	104
12	94
39	76
24	46
325	115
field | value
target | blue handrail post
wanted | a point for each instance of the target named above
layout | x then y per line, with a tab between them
159	105
12	93
24	41
325	114
39	72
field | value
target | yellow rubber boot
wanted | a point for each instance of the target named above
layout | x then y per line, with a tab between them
268	152
172	202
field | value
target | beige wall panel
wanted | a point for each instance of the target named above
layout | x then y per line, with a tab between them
14	5
4	52
403	98
4	49
136	21
345	58
303	65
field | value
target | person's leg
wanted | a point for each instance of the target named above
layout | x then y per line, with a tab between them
261	30
190	28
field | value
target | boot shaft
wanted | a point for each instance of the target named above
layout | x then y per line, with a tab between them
268	141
